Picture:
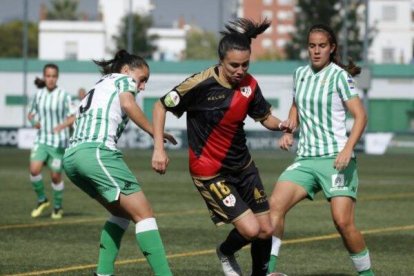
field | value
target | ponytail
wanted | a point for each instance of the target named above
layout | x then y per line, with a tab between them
238	35
121	58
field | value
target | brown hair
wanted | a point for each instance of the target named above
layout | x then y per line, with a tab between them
40	83
121	58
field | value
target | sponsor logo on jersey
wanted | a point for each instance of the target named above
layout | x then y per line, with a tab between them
259	195
246	91
229	200
172	99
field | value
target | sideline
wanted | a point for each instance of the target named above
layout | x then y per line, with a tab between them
211	251
196	211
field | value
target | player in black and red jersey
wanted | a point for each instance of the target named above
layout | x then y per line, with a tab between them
217	101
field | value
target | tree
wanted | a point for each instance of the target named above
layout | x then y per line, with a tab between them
63	10
11	39
331	13
143	45
201	45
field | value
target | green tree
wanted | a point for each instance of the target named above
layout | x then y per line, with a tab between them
11	39
331	13
201	45
63	10
143	45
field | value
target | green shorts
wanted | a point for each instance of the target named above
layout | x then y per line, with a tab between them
315	174
99	171
50	155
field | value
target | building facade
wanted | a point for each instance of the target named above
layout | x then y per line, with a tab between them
281	14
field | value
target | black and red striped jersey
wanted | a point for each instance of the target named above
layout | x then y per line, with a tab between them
215	119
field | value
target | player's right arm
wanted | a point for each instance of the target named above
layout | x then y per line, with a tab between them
134	112
286	141
159	156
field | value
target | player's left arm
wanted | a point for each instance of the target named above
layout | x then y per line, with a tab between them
357	111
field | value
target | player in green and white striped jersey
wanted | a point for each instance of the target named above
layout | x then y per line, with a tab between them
323	92
50	112
96	166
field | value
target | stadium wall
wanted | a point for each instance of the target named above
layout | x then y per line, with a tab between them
391	97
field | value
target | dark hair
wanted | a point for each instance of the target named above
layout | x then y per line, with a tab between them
351	67
238	35
40	83
121	58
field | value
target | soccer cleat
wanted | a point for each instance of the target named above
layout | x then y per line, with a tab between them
41	206
95	274
276	274
57	213
229	264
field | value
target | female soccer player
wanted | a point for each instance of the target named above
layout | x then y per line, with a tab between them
323	91
51	114
217	101
96	166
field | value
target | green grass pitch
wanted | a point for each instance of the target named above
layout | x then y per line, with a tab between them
385	214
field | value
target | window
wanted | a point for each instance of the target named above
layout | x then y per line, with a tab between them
266	43
281	43
389	13
388	55
269	30
267	14
285	2
267	2
71	50
284	15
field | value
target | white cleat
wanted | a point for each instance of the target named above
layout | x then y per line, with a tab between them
229	264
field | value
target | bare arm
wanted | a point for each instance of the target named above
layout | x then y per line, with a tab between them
288	126
67	123
286	141
357	111
134	112
159	156
31	118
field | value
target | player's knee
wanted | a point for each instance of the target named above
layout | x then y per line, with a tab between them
35	171
251	232
266	232
56	178
343	224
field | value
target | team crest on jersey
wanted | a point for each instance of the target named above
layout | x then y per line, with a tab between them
246	91
229	200
172	99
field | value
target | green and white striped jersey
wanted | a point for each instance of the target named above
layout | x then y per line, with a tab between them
50	109
99	118
320	98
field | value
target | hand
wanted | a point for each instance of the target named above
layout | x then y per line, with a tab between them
342	160
170	138
160	161
58	128
286	141
37	125
287	126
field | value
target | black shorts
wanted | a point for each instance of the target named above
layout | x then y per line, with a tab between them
230	196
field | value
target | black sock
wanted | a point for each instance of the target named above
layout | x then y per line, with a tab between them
260	251
234	242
